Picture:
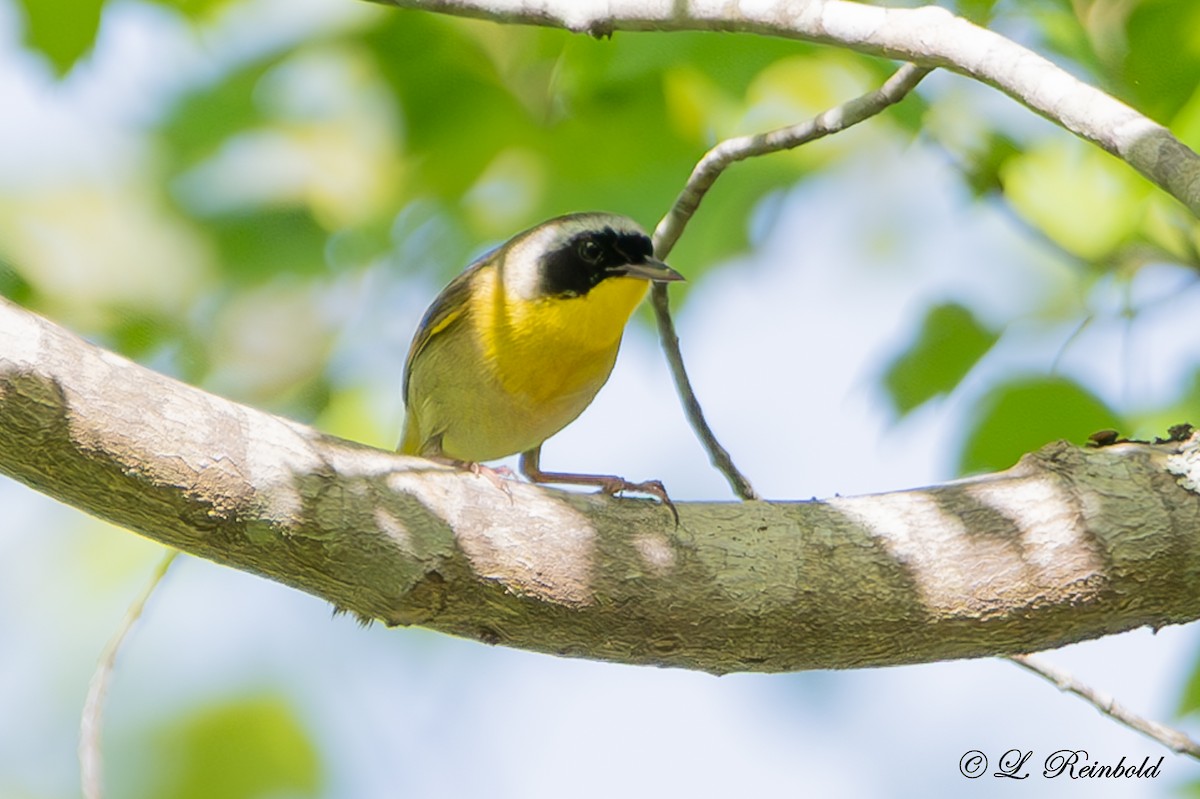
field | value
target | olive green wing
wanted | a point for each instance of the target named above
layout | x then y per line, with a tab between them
449	310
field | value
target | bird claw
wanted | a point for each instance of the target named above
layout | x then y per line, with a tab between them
654	488
497	476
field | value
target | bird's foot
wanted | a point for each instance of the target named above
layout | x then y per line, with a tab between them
616	485
608	483
497	476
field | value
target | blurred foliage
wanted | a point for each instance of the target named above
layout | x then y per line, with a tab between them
272	241
284	176
1021	415
13	285
1189	702
978	11
252	748
951	341
1087	201
305	161
984	162
61	30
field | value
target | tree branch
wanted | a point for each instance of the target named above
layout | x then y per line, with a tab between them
927	36
1070	544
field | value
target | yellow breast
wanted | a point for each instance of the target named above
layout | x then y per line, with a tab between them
555	350
519	372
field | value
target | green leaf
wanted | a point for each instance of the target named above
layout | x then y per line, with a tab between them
205	117
13	284
978	11
1020	416
554	118
1083	198
62	30
458	112
950	342
244	749
190	359
640	180
258	244
1163	56
136	334
1186	124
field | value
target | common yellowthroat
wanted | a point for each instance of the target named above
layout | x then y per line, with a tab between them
516	346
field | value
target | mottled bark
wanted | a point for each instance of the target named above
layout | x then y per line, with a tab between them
1068	545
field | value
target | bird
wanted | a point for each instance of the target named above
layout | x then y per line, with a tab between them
516	346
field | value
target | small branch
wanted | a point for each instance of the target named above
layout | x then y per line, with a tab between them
709	168
91	771
1173	739
717	454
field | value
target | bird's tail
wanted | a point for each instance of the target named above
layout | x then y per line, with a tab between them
410	443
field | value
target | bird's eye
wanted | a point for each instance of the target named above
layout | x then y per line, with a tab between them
589	251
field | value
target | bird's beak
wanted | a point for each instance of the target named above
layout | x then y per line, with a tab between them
650	269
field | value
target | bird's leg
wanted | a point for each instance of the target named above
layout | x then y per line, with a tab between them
608	483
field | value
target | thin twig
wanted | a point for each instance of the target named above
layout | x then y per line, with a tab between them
1173	739
717	454
90	761
1068	341
706	172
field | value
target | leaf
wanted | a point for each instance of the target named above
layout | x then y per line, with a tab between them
354	248
62	30
458	113
204	118
950	342
978	11
611	125
136	334
1022	415
244	749
259	244
1083	198
13	284
1162	59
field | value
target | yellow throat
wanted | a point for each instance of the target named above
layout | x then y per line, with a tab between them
554	347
